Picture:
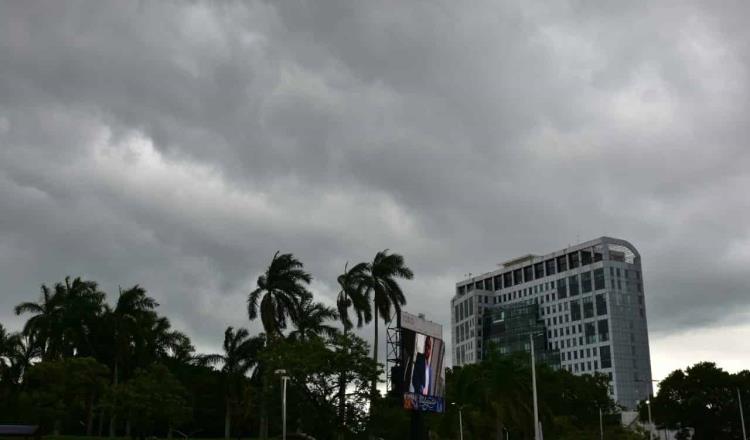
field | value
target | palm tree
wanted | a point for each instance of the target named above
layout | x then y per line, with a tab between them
133	306
279	289
44	325
240	356
386	292
83	304
310	318
353	294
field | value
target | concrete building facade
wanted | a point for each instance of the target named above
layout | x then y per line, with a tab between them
590	301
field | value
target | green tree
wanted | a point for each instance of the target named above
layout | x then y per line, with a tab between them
381	281
153	398
702	397
314	368
58	388
278	290
310	320
239	357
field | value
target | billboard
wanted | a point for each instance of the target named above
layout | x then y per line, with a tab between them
422	353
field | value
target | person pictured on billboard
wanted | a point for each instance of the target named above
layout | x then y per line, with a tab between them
420	379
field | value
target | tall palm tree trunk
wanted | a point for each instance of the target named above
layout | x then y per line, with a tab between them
374	384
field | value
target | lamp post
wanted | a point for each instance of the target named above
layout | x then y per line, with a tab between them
601	425
460	420
650	422
742	415
533	386
284	379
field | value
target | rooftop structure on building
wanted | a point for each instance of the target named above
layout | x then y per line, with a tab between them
585	303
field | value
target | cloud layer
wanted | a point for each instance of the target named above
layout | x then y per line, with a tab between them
179	145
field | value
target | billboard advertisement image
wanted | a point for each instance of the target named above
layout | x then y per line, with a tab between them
423	351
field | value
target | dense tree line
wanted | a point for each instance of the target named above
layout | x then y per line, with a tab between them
82	365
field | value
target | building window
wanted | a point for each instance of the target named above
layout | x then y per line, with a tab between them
488	284
479	285
590	334
528	274
550	266
575	310
562	291
598	279
498	282
539	270
573	260
461	290
562	263
603	330
605	356
585	257
586	282
588	307
573	285
517	277
601	305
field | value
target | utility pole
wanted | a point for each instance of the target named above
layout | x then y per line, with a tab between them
601	425
533	385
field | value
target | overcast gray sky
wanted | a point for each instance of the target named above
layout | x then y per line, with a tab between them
180	144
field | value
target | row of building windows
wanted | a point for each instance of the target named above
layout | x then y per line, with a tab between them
537	271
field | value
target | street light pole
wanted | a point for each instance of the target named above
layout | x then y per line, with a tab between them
284	379
650	423
742	415
533	385
601	425
460	420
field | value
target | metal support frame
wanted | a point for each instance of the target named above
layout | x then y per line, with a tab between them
393	350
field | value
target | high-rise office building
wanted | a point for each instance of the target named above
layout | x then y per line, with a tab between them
584	303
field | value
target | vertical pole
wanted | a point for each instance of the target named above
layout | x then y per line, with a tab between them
650	423
461	424
742	415
283	408
533	385
601	425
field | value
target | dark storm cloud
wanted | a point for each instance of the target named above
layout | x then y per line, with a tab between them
178	145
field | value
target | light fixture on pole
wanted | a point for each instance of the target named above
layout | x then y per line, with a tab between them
460	420
284	379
